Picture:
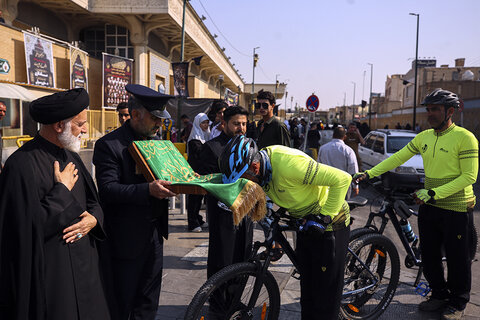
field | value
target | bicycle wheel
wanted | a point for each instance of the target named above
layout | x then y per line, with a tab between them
366	295
227	293
357	233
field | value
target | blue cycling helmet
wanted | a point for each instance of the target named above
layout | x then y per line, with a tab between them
236	157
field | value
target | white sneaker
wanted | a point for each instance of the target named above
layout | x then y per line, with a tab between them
197	229
204	225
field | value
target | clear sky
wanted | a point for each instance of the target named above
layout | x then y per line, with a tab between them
322	46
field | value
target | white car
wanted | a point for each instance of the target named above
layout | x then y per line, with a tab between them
381	144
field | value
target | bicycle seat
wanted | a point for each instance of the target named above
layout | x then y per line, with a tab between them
357	201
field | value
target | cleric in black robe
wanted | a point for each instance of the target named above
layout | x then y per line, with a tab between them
227	243
50	220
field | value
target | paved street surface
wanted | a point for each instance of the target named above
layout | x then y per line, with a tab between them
185	258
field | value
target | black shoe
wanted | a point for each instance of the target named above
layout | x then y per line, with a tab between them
432	304
452	313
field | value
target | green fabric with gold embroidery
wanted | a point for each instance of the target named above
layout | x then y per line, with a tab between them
166	163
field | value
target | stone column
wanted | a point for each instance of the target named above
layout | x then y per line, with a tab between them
139	40
9	10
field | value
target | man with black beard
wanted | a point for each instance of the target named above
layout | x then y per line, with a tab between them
136	211
228	244
51	221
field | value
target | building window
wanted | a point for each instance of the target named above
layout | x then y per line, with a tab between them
93	41
117	41
111	39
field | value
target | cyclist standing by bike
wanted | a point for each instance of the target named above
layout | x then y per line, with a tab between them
450	159
308	190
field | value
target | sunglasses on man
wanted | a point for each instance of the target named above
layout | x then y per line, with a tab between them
261	105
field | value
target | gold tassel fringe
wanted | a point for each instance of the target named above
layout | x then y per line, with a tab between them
251	201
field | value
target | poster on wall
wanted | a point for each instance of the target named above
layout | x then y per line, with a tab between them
231	98
78	69
180	78
39	61
117	73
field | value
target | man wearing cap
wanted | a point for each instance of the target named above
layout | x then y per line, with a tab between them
136	211
51	221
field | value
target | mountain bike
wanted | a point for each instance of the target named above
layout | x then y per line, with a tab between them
248	290
395	208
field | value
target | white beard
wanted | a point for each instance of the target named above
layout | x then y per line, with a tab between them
68	140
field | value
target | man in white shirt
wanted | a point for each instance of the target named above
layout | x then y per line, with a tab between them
337	154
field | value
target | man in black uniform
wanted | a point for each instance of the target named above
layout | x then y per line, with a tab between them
136	212
51	221
228	244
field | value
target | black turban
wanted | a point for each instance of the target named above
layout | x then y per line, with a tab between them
59	106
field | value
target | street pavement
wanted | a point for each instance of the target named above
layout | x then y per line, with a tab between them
185	270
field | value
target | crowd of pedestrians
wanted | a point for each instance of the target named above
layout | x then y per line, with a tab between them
101	254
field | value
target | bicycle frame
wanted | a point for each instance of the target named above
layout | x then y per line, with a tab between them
275	234
388	213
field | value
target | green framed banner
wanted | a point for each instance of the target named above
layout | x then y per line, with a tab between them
160	159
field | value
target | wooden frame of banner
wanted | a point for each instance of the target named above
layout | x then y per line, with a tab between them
149	176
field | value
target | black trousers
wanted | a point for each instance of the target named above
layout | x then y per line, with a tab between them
451	229
194	203
321	262
137	282
228	244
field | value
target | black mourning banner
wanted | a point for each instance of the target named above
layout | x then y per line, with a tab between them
180	78
117	73
78	69
231	98
39	61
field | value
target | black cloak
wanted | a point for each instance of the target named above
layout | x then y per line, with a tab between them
42	277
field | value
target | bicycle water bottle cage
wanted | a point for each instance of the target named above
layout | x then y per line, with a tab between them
422	289
402	209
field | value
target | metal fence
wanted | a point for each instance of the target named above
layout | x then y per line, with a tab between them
101	122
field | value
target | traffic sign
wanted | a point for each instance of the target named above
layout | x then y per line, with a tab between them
312	103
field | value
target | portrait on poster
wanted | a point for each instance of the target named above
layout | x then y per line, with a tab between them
117	73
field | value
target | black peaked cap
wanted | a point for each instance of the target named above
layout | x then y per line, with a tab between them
153	101
59	106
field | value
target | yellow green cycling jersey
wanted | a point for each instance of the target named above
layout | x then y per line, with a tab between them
303	186
450	160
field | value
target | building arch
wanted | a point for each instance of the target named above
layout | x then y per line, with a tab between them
47	21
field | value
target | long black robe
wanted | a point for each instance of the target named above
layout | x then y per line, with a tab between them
228	244
42	277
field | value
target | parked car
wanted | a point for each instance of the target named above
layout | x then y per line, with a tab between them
381	144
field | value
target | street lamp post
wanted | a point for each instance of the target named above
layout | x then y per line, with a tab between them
370	103
182	49
353	105
363	89
220	80
276	85
255	59
416	71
